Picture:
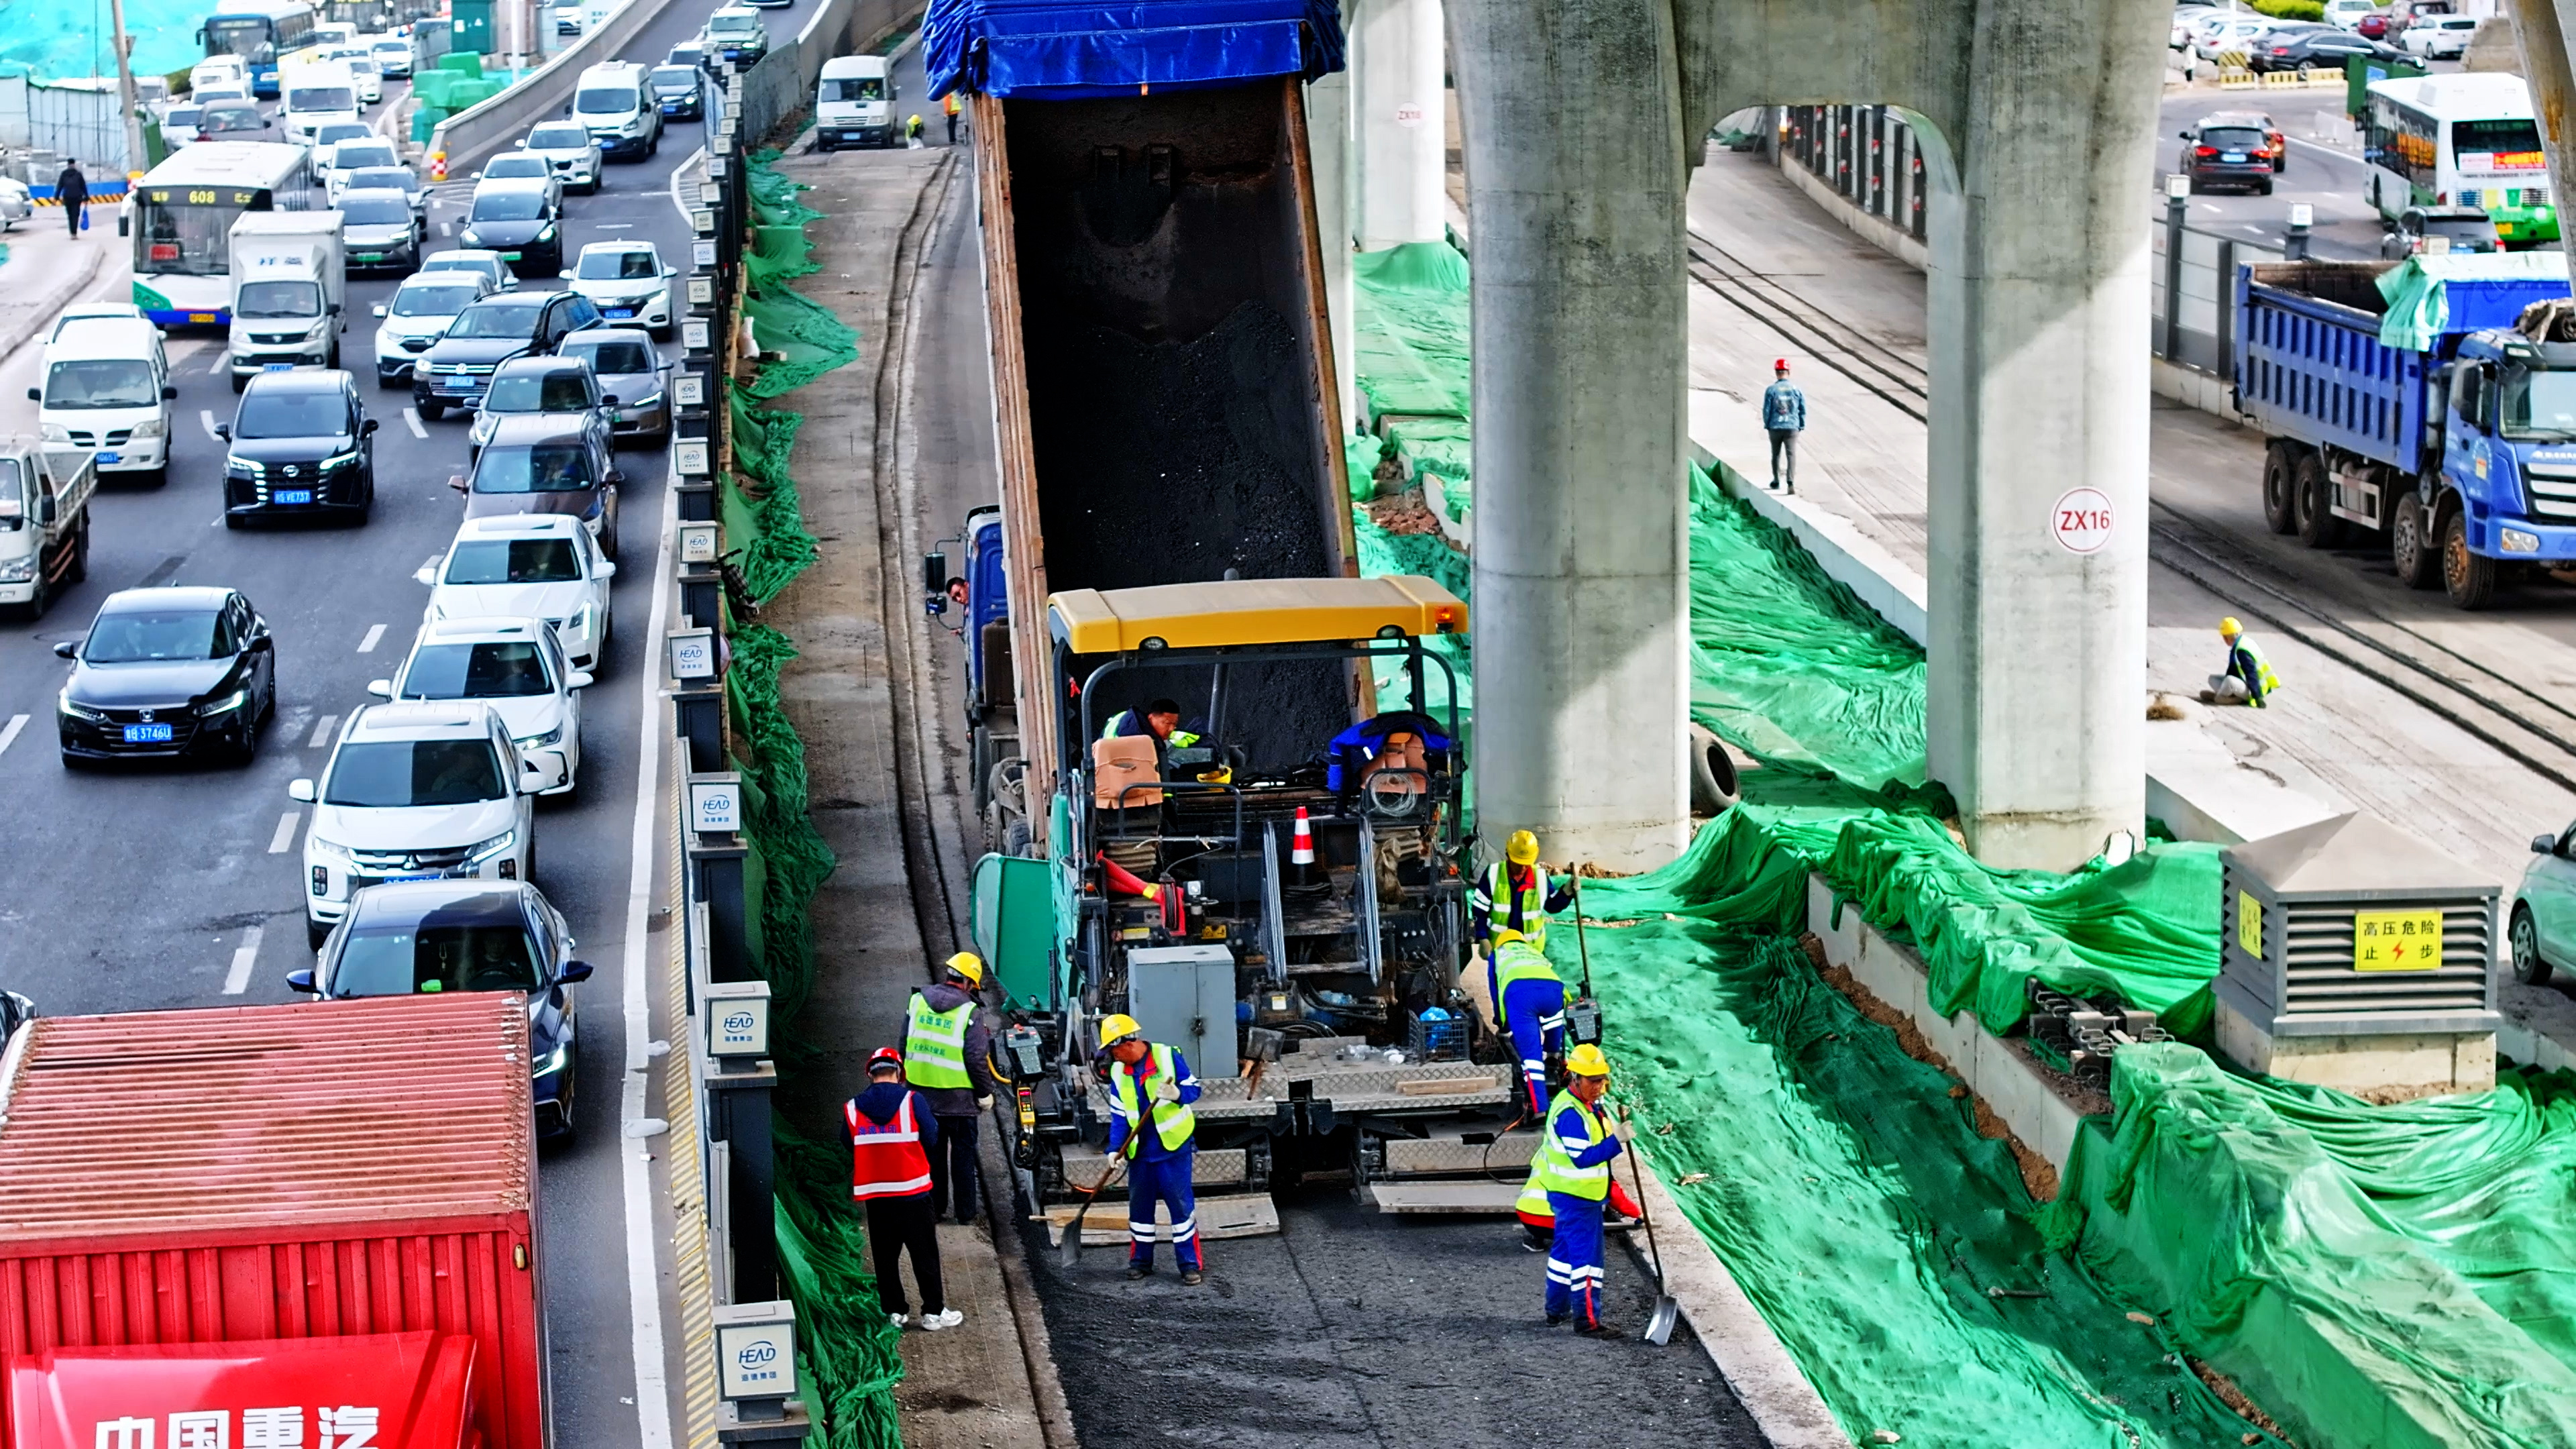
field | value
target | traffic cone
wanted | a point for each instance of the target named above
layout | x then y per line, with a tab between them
1302	875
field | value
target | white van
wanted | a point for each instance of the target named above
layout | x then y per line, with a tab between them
611	102
314	94
854	103
107	392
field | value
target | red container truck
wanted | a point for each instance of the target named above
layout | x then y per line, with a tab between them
300	1227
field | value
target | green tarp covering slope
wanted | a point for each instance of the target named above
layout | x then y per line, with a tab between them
1411	338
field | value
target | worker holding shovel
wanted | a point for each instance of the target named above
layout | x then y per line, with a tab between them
1151	1087
1577	1179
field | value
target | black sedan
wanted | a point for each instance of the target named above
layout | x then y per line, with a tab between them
168	672
2324	48
405	938
522	220
301	446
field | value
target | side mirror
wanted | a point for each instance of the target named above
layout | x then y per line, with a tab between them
669	272
168	393
607	570
67	649
608	400
425	574
2544	845
381	688
224	431
301	790
367	428
302	981
47	510
378	309
35	394
566	274
573	971
934	573
456	481
579	679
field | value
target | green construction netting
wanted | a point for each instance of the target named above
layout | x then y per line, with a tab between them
1889	1246
846	1347
799	339
1435	448
775	798
764	522
1411	332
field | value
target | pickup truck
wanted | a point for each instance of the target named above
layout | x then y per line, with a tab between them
2401	400
44	522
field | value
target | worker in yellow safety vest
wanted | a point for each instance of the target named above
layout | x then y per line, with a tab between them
947	1058
1160	722
950	106
1538	1220
1577	1179
2249	678
1151	1088
1529	1001
1515	893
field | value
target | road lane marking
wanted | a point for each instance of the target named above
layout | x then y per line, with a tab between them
643	1277
206	416
223	359
321	732
447	228
9	732
411	420
368	644
614	226
245	956
285	836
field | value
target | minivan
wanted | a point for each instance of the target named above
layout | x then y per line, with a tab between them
613	104
316	93
854	103
107	392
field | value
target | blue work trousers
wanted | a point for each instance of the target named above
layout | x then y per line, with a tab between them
1535	1011
1164	1180
1574	1259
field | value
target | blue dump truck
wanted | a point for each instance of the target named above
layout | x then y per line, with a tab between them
2413	401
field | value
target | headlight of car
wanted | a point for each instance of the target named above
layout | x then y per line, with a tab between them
548	234
56	434
538	742
644	404
251	467
581	622
226	704
79	711
329	849
148	428
468	237
18	571
340	460
320	326
548	1063
492	849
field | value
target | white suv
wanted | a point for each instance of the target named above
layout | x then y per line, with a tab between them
612	102
518	668
568	148
628	282
527	565
416	792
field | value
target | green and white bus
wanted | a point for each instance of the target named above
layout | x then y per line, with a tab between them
2460	140
181	222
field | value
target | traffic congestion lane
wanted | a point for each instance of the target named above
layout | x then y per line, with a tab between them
2325	171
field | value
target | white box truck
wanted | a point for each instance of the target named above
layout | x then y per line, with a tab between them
44	523
290	284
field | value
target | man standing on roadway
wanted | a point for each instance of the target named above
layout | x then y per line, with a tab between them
1784	417
1577	1178
1151	1088
72	190
1529	1002
890	1132
946	1057
2249	678
950	105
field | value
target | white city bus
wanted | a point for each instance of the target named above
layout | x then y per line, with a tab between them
2460	140
181	223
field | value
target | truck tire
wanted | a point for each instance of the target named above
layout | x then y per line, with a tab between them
2280	506
2470	580
2312	490
2411	548
1712	773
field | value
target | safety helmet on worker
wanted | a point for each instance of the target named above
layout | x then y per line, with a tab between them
1117	1027
1780	365
1506	936
2228	628
1586	1060
885	1057
1521	849
968	967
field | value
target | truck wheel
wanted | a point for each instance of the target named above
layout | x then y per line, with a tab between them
2471	580
2309	488
2280	506
2410	548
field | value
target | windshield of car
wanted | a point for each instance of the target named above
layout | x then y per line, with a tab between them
393	774
688	55
476	671
541	468
333	132
351	155
321	98
459	262
855	88
2539	405
178	116
550	391
514	561
278	299
619	266
384	178
147	635
669	78
2234	138
402	960
376	208
394	49
2495	138
733	25
444	300
232	118
558	138
613	357
363	65
603	101
514	317
508	206
502	168
298	414
101	382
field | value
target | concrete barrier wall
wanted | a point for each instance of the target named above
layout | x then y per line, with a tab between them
783	82
477	131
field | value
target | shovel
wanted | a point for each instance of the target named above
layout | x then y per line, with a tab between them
1069	1251
1659	1324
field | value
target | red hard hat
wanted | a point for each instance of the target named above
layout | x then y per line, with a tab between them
884	1057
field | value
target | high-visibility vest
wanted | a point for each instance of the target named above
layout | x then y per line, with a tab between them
952	103
2257	665
1556	1172
886	1159
1532	1202
1523	910
1177	739
934	1046
1174	1122
1518	961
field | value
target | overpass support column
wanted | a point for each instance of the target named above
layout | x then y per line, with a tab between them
2038	300
1572	114
1328	154
1397	56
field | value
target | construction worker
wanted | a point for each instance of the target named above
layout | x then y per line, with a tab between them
1577	1179
947	1058
1515	892
2249	678
1151	1088
1784	417
951	107
1538	1220
1160	722
912	132
1529	1001
892	1134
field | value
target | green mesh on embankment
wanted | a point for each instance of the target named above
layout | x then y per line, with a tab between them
1411	342
808	339
846	1345
794	859
763	520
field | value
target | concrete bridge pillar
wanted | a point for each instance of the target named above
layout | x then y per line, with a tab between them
1328	154
1573	122
1397	54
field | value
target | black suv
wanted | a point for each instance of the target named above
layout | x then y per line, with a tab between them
675	91
2227	154
300	446
457	369
165	672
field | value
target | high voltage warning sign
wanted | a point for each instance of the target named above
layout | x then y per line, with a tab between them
2397	941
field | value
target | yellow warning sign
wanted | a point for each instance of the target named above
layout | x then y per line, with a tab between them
2397	941
2249	925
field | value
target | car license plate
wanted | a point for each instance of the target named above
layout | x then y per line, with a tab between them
202	317
291	495
617	311
147	734
277	367
111	457
457	384
366	256
509	256
2233	158
415	875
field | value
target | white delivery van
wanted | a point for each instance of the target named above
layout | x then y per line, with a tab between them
854	103
612	103
44	523
106	392
314	93
290	282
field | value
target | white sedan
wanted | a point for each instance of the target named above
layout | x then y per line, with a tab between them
527	566
628	283
518	668
16	203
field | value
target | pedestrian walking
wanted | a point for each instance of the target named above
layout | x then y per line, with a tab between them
891	1133
72	190
947	1060
1151	1087
951	105
1784	417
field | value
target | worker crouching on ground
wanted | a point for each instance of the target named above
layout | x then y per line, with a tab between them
2249	678
1151	1088
947	1058
1529	1001
1577	1179
892	1133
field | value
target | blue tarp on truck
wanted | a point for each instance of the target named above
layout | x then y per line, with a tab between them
1065	50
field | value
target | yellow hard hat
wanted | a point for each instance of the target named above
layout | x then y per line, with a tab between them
1586	1060
1116	1026
1521	849
2228	628
968	965
1506	936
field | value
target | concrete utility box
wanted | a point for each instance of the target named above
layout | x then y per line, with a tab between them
471	27
1183	996
2354	955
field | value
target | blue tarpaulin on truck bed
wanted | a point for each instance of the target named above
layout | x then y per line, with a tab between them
1064	50
2468	292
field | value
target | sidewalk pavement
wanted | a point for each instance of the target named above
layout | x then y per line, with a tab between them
47	268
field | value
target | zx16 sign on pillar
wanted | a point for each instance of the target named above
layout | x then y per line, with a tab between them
2081	520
